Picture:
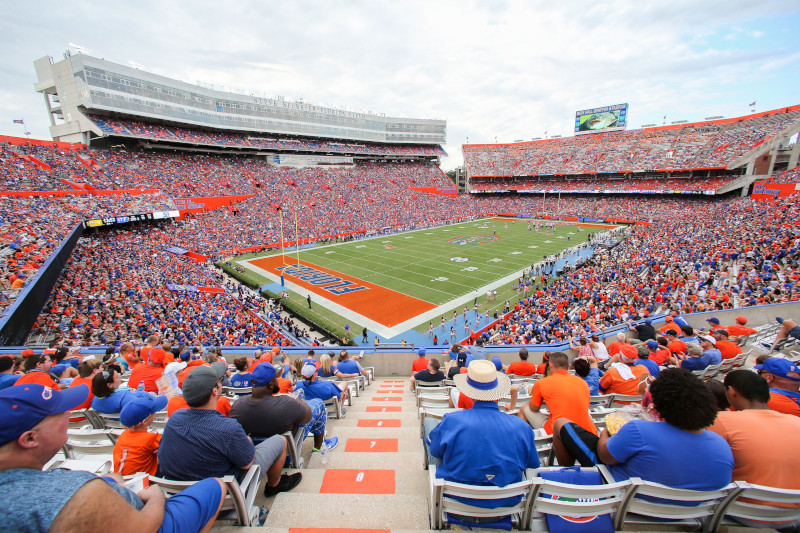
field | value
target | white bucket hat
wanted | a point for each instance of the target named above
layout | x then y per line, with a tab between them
483	382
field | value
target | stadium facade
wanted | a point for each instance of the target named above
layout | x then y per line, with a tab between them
81	84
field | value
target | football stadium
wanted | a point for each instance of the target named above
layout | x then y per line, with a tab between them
228	311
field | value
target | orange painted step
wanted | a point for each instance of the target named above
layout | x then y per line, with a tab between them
390	391
378	423
386	398
335	529
371	445
383	409
352	481
394	381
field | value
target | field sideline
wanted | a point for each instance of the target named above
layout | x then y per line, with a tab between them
394	283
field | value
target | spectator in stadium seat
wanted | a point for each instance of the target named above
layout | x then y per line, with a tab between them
242	377
644	330
566	396
757	435
348	366
421	362
109	398
86	372
783	378
588	371
265	413
644	357
431	374
638	448
34	430
136	450
506	442
693	360
146	373
676	347
739	330
313	387
199	441
7	376
521	367
37	370
711	355
727	348
623	375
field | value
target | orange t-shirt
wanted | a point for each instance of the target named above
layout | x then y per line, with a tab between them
777	402
144	353
660	356
566	396
677	346
41	378
522	368
419	364
464	402
147	374
176	403
728	349
760	448
189	366
285	385
612	382
136	451
541	368
740	331
83	381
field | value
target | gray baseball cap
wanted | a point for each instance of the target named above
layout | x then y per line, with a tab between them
201	381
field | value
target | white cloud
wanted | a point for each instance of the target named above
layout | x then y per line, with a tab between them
510	69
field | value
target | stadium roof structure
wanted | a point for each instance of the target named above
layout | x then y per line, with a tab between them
81	84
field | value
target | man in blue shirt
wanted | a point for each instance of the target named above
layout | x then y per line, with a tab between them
711	355
644	357
348	366
506	443
313	387
7	379
694	358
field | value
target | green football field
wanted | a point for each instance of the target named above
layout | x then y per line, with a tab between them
442	264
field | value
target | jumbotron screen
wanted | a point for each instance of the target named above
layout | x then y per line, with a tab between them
608	118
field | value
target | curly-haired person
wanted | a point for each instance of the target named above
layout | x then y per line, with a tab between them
677	452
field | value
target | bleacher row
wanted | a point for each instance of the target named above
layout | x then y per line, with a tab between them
693	146
630	184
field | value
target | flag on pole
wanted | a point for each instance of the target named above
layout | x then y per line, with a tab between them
19	121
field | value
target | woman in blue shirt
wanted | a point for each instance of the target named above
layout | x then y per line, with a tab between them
109	397
586	369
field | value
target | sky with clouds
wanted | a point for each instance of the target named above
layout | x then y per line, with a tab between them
493	69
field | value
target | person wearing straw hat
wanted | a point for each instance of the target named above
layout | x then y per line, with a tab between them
506	443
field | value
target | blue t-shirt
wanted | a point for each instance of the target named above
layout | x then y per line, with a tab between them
660	452
593	380
506	445
59	485
693	363
348	367
7	380
324	390
241	380
201	443
651	366
113	404
331	373
712	357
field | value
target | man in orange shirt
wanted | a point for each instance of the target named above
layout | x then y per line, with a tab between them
727	348
137	449
739	330
128	353
522	367
148	372
783	378
150	344
420	363
86	371
675	346
37	370
566	396
757	435
623	377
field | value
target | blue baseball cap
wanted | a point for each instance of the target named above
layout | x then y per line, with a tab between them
713	320
134	413
498	364
24	406
421	352
652	345
263	374
461	359
780	367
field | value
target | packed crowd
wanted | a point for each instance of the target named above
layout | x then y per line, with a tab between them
787	176
690	146
720	256
628	184
114	288
173	133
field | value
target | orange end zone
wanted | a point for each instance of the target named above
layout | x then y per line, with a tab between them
383	409
386	398
378	423
371	445
335	529
385	306
357	482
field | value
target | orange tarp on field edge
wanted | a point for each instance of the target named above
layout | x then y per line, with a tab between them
385	306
